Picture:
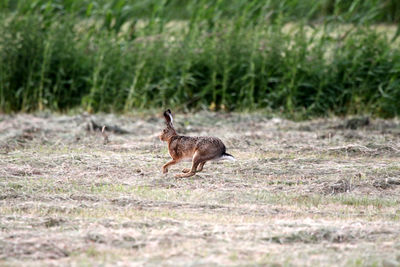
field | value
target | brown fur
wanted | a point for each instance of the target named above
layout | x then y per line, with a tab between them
198	149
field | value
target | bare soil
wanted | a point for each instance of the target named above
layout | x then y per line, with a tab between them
321	192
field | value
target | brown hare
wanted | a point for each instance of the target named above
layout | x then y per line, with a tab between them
197	149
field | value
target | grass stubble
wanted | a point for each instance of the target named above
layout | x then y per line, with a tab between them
315	192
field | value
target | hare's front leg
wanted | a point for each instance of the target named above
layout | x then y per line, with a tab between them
166	165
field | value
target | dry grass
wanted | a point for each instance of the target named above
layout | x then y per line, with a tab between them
310	193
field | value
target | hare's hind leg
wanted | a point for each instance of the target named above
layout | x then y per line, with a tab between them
186	170
201	166
166	165
198	170
195	162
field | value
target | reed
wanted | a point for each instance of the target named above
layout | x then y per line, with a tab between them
302	58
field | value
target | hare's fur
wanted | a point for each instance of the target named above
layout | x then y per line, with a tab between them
197	149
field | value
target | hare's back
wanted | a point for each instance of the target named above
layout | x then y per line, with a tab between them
184	147
210	145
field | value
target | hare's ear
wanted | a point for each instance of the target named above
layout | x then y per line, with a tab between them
168	117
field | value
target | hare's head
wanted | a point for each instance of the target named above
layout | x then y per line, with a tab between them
168	131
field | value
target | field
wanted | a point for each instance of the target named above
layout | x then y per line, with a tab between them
320	192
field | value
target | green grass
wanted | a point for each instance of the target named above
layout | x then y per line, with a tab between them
302	58
112	191
115	12
310	201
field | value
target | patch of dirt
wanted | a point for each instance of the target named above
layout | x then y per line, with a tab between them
31	249
376	150
340	186
20	171
51	222
316	236
386	183
355	123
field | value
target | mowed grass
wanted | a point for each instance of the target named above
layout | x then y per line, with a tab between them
310	193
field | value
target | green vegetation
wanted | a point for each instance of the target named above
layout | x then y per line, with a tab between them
303	58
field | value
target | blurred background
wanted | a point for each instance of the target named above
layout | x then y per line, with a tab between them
298	58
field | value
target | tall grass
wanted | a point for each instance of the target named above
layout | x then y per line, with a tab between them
300	57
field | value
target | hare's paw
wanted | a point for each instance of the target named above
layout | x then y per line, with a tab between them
164	170
186	170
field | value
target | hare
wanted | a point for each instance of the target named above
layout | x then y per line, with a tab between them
197	149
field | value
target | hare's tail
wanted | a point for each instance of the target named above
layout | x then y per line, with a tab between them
227	156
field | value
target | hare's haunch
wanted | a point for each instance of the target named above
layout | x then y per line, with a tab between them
197	149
